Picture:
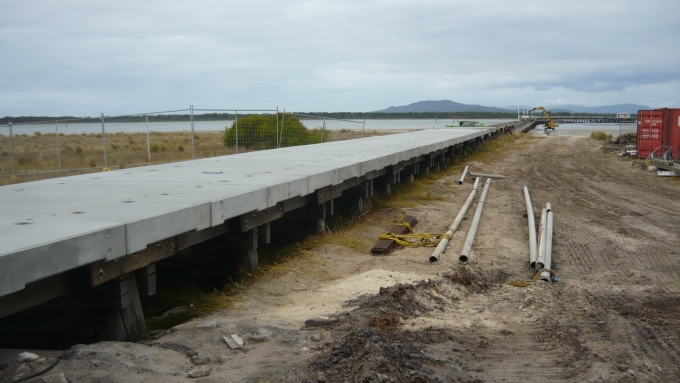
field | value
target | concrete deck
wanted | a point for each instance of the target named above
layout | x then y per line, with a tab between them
52	226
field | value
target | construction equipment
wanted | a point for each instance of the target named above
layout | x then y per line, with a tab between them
550	124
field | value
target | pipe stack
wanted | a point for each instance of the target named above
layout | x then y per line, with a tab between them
456	222
467	246
540	256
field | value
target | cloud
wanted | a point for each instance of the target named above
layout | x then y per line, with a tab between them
83	57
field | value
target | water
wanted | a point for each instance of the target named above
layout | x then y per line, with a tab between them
219	125
574	130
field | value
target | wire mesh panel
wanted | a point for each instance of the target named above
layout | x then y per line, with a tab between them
170	136
333	129
54	145
5	151
80	144
126	141
149	138
224	132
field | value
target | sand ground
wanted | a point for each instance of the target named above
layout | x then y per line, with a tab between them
614	316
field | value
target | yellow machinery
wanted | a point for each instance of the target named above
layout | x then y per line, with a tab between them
550	124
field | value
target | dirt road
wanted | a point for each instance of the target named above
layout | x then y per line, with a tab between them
613	317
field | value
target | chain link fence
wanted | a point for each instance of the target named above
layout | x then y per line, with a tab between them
39	149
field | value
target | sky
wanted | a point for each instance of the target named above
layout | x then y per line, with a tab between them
83	58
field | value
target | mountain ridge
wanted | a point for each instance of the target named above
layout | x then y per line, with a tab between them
448	106
444	106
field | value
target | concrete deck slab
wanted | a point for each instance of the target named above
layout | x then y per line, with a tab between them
51	226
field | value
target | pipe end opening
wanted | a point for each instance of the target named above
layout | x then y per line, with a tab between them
532	265
538	266
460	182
547	279
433	259
463	258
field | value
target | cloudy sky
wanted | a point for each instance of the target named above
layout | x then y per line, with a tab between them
87	57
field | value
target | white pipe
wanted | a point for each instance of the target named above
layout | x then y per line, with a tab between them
486	175
532	228
545	276
467	246
462	176
454	226
540	262
548	207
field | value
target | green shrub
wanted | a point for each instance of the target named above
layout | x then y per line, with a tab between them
259	131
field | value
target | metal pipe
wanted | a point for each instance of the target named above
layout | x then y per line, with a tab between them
11	145
236	124
283	122
277	126
454	226
148	139
532	228
193	145
545	276
56	128
104	139
540	262
462	176
323	129
486	175
467	246
363	128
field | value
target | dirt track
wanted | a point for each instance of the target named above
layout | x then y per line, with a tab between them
613	317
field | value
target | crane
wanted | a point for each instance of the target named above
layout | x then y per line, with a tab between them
550	124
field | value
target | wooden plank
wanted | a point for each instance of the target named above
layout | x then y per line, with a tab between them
102	271
191	238
328	193
256	218
384	246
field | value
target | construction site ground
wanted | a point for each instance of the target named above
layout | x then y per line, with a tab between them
614	315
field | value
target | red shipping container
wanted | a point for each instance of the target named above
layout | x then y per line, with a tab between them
649	132
671	124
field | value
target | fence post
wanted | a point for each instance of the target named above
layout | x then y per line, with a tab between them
11	145
323	129
193	145
104	139
363	128
277	126
148	139
283	121
56	128
236	124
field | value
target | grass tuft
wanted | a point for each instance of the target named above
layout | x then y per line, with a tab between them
600	136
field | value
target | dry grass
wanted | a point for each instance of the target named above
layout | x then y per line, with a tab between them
601	136
84	153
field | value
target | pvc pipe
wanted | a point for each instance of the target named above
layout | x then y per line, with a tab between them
462	176
540	262
532	228
467	246
454	226
545	276
548	207
486	175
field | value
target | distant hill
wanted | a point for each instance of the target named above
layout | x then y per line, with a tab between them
610	109
442	106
